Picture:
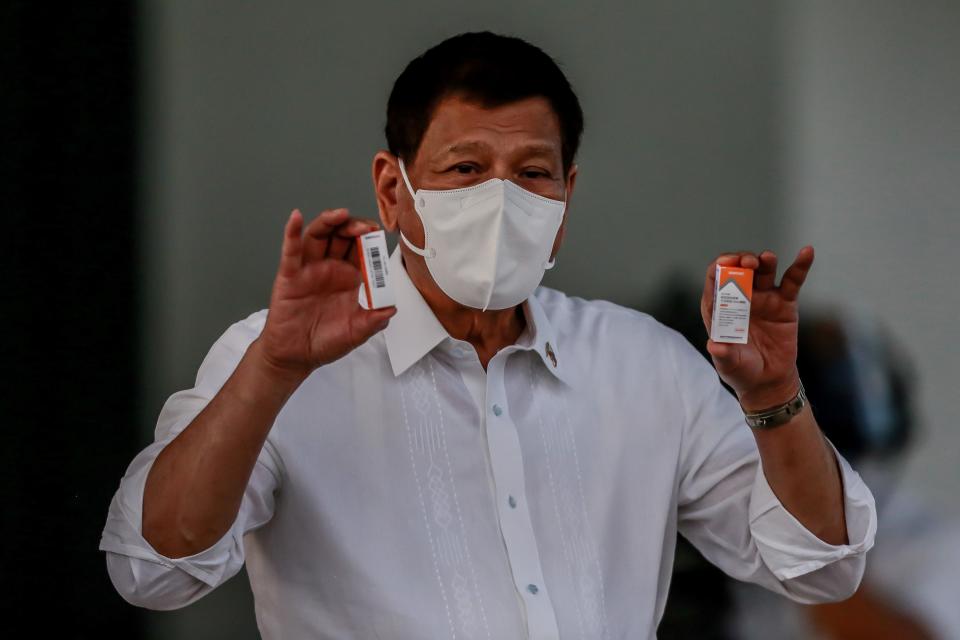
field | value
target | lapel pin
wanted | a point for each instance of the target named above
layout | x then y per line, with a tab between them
551	355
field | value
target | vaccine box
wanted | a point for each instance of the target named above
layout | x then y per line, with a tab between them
731	304
375	291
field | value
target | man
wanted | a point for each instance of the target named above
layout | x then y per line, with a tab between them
486	459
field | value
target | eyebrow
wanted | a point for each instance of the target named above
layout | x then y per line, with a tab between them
534	148
464	147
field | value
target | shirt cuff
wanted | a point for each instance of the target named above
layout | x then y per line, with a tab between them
207	565
788	548
122	534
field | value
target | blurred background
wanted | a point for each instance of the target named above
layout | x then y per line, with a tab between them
152	151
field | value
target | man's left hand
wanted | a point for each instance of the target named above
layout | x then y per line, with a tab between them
762	372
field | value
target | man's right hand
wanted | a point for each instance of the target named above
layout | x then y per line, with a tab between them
195	486
314	317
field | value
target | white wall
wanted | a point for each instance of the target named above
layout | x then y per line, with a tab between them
872	167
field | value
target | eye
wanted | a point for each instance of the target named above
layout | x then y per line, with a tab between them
532	174
463	168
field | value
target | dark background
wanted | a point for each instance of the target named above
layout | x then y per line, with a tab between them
68	158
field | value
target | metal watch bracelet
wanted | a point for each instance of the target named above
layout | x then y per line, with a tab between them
776	416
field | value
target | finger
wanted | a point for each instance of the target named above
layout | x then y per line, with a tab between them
344	238
325	223
749	260
706	298
292	249
765	276
357	227
796	274
316	236
729	259
734	258
364	323
333	275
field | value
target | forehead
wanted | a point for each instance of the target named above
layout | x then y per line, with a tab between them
500	129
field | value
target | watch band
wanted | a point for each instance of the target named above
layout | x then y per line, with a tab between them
776	416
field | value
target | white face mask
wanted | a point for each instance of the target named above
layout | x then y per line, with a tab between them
486	246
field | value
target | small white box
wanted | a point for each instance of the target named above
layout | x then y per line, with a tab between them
375	291
732	293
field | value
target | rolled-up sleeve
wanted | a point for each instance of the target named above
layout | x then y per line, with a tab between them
728	511
789	549
147	578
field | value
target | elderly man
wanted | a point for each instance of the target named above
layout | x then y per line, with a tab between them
486	459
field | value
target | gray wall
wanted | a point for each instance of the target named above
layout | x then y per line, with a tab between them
872	166
693	115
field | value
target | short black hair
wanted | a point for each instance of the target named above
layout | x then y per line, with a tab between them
485	67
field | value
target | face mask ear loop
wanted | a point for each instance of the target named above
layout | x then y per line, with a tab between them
426	253
406	181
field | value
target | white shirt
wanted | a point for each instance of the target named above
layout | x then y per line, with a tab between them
405	493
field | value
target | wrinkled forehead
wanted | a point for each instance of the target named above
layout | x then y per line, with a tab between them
459	126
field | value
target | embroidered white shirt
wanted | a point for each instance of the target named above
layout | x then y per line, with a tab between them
404	492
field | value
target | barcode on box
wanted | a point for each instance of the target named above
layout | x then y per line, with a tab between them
376	263
375	292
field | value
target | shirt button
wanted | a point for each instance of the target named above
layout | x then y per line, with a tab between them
497	411
532	588
512	502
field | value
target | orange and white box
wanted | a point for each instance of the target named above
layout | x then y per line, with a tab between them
375	291
731	304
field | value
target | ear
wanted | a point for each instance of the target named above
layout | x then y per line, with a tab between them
562	231
571	181
387	184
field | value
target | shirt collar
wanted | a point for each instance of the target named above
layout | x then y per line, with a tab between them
414	331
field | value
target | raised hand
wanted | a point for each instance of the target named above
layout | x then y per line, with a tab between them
314	316
762	372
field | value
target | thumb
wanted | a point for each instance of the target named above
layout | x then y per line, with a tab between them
726	357
365	323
